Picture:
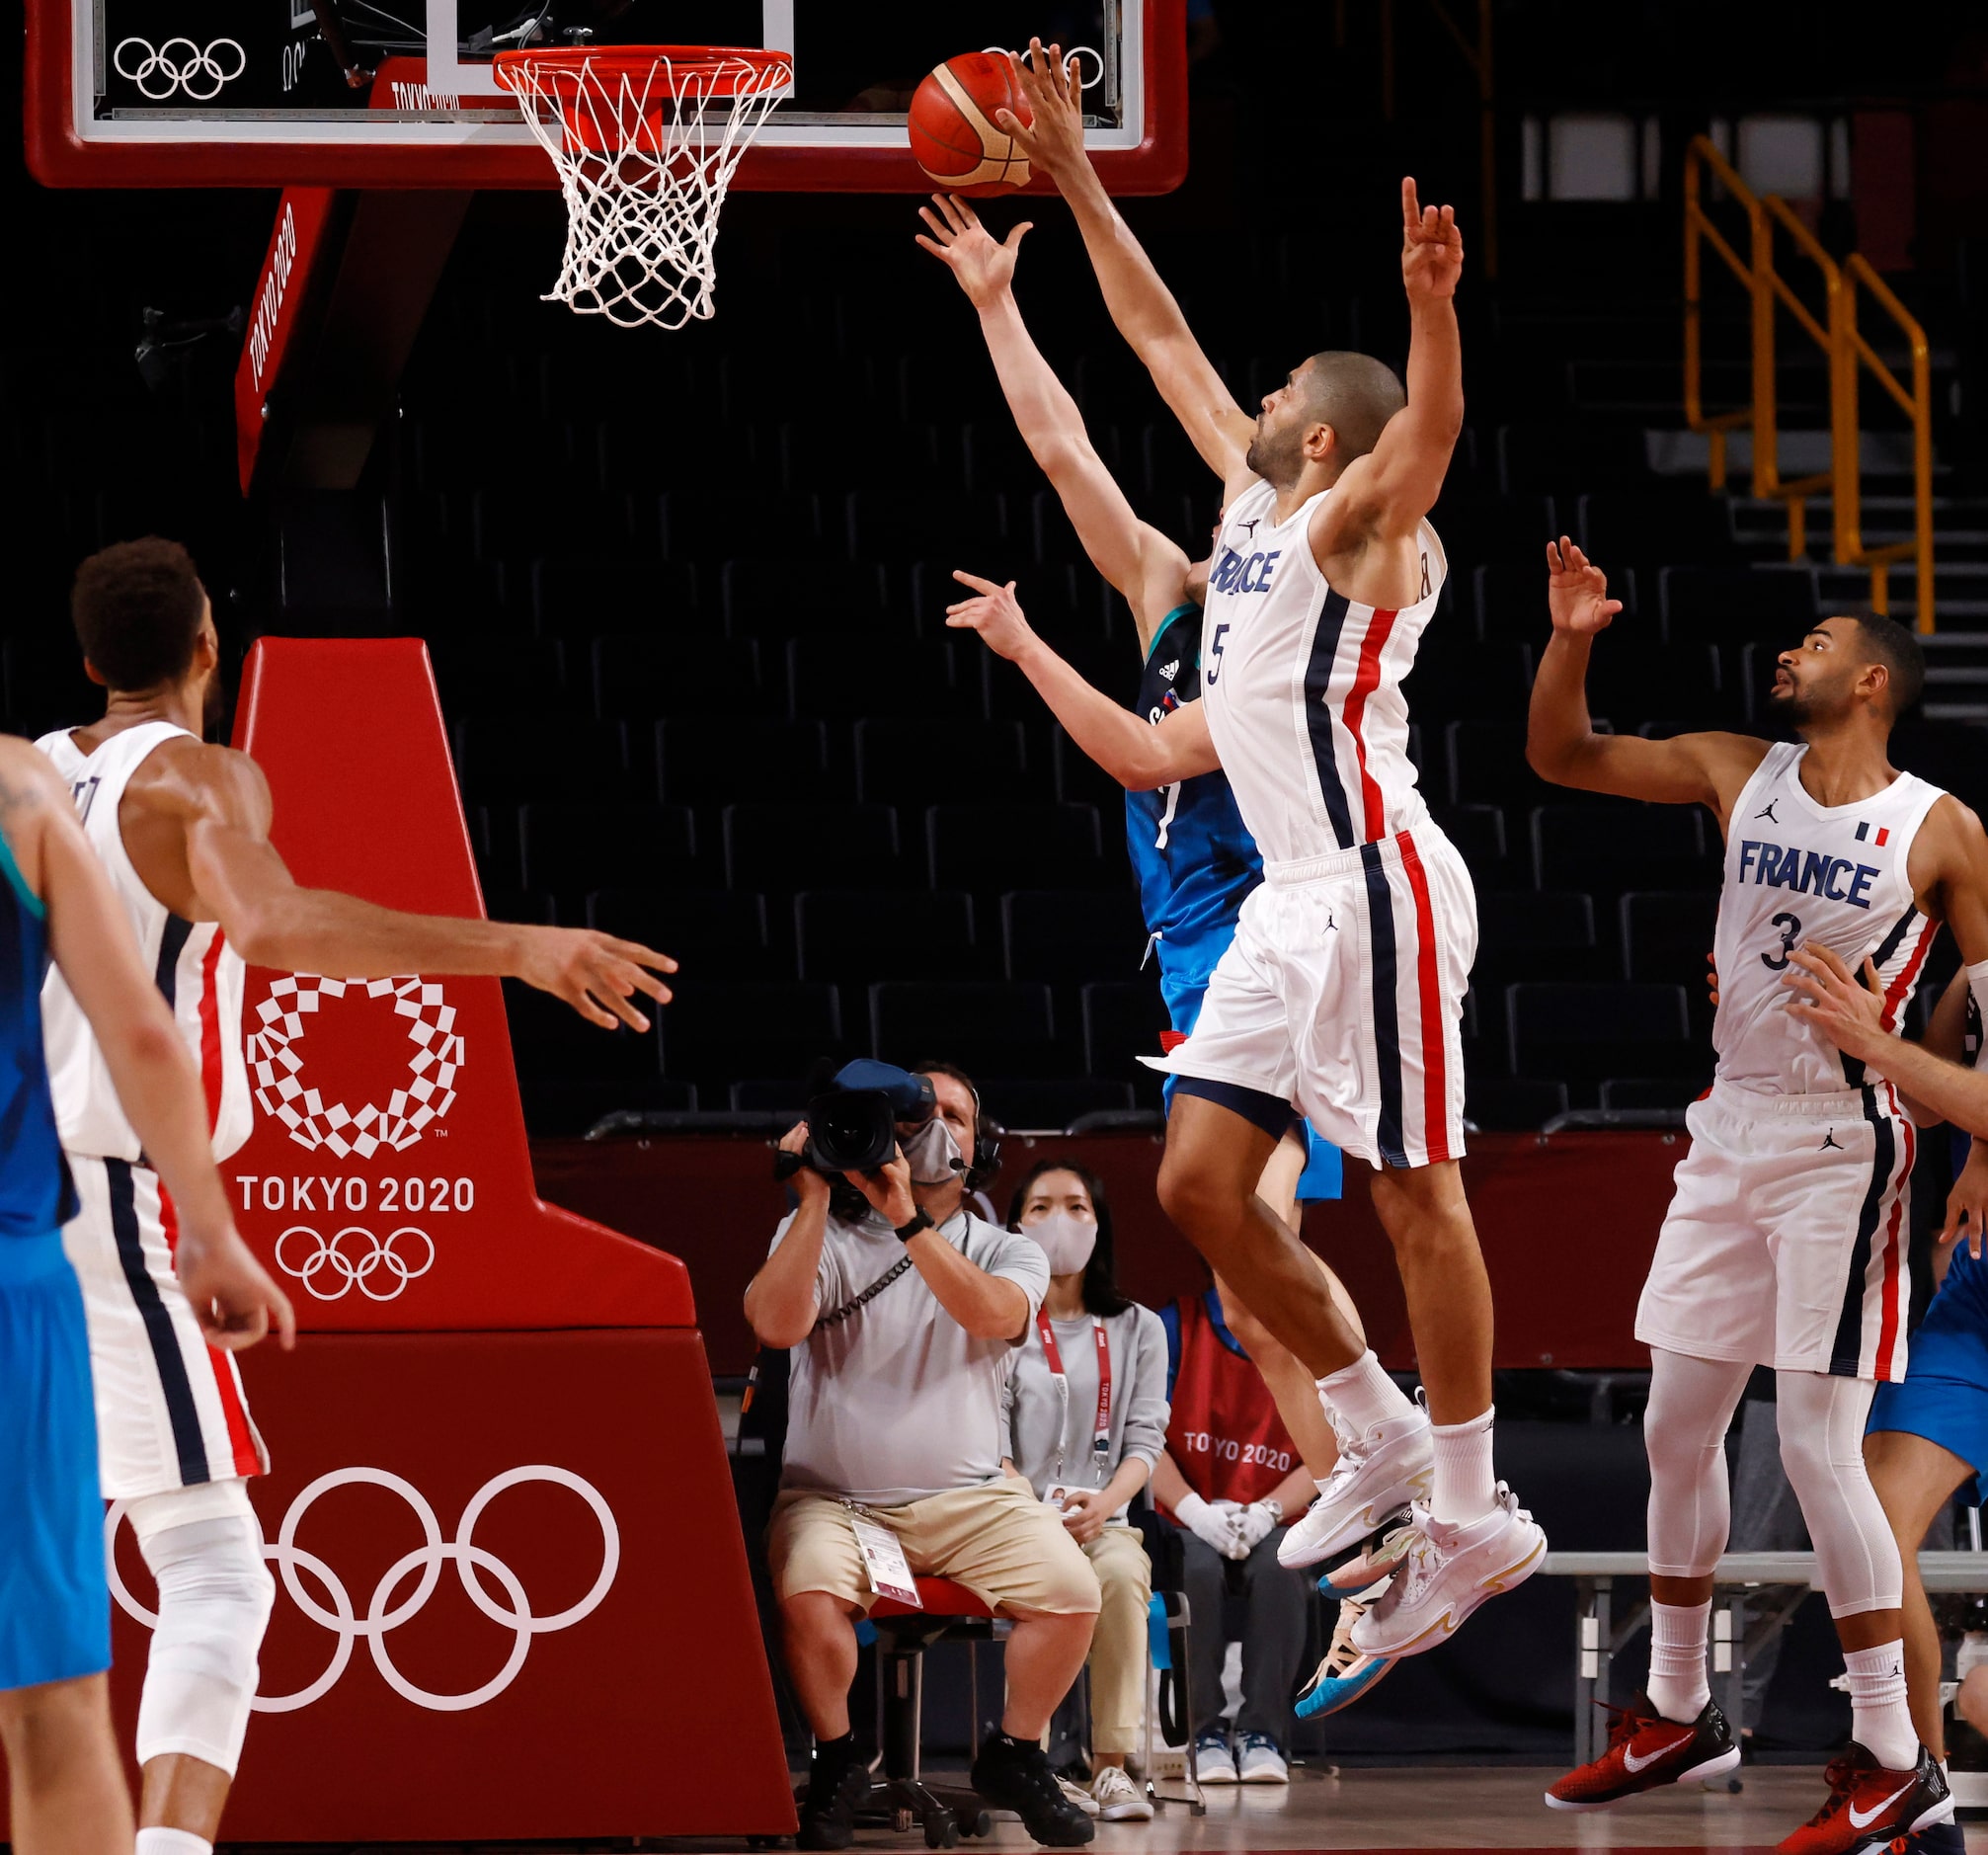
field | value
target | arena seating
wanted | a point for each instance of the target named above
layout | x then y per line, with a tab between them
686	602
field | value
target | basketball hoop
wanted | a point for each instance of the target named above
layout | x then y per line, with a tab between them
646	139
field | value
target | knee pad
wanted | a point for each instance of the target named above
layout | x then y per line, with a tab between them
1691	1405
1821	1423
205	1549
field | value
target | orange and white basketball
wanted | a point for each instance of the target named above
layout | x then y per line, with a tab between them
953	131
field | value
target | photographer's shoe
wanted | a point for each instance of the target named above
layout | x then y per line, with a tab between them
1012	1775
838	1784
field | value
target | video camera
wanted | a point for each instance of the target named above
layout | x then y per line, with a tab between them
852	1126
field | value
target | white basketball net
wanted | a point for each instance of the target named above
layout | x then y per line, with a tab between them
645	156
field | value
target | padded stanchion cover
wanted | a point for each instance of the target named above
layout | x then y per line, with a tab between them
512	1598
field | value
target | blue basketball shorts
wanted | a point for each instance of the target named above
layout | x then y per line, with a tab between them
1943	1397
55	1600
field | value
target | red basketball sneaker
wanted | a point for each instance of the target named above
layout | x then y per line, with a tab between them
1645	1750
1869	1807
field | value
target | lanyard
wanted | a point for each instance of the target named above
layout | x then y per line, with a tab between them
1100	1439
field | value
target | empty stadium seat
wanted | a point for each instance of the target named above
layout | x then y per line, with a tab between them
569	848
1527	931
989	1027
1582	1032
714	524
1660	520
1486	761
1571	455
927	762
1122	1022
755	1027
1456	675
706	760
1513	1104
1479	834
1044	1104
1772	604
574	1070
767	598
834	678
857	936
639	675
989	849
577	596
1642	1093
713	934
1667	933
473	677
1631	680
1611	848
1069	936
500	757
1511	599
785	847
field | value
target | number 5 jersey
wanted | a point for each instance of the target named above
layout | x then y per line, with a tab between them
1799	872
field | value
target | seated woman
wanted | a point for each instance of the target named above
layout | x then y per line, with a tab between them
1087	1438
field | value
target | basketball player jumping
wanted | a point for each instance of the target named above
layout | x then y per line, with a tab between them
1341	994
66	1784
1195	858
1785	1244
184	831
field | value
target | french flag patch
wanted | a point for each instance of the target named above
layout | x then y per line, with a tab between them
1863	834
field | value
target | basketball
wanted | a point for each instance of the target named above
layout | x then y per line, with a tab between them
953	131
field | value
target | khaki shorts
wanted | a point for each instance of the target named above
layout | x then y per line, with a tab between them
998	1540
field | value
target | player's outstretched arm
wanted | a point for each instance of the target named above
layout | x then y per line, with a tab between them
1561	743
224	803
1141	757
1146	566
1388	491
1141	305
157	1084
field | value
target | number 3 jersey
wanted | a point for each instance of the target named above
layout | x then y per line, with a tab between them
1797	872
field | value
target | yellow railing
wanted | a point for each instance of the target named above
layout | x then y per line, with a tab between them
1845	350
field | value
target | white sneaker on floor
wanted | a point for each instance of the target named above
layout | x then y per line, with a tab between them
1448	1573
1116	1798
1261	1762
1214	1761
1388	1466
1079	1795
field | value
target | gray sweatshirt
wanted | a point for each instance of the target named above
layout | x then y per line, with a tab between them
1139	1412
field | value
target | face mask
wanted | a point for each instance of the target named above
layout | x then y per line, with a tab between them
934	1154
1067	1239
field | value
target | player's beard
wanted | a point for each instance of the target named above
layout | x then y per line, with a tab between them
1267	459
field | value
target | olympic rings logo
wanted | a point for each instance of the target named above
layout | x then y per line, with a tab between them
1072	64
180	67
329	1261
383	1615
278	1065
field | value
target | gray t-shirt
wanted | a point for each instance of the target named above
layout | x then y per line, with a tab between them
1139	1410
899	1402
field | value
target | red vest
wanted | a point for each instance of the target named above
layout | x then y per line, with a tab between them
1224	1434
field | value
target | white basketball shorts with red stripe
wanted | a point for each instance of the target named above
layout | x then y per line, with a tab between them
1342	995
1787	1237
170	1409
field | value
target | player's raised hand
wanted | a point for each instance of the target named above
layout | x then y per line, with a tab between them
1828	996
1432	249
959	241
595	973
1053	136
231	1293
1578	590
995	612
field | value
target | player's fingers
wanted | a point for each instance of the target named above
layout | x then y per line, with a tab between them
621	1010
958	214
938	227
577	995
1411	211
931	245
1871	981
974	581
1013	240
1610	606
286	1318
638	955
964	208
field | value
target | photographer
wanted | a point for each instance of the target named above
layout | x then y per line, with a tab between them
894	1437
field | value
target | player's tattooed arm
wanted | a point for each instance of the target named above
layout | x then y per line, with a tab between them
1141	757
1142	306
1388	491
241	881
1148	567
1561	743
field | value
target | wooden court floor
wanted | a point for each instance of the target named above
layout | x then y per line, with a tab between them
1422	1807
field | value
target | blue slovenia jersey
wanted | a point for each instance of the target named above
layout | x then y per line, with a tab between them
1194	857
36	1195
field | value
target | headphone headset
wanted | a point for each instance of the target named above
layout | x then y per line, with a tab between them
985	1165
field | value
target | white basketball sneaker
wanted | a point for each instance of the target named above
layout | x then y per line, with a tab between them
1387	1467
1448	1573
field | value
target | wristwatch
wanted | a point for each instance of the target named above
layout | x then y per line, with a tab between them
920	1221
1276	1507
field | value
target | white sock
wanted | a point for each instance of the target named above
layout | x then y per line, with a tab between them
1678	1690
172	1842
1465	1488
1880	1721
1363	1394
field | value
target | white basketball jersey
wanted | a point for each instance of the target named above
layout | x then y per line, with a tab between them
199	974
1302	687
1797	871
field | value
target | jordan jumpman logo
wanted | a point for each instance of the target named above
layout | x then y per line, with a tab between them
1830	1140
1767	812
